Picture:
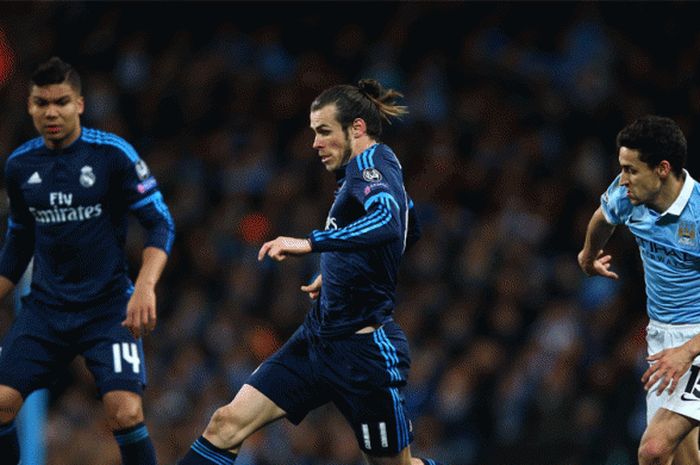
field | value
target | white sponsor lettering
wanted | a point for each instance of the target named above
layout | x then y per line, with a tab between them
331	223
64	215
60	198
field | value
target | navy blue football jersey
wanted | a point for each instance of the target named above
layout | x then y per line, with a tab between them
369	226
68	209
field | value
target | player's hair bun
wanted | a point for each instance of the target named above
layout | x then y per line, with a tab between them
370	87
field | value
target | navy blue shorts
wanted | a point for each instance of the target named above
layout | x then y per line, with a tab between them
44	340
362	374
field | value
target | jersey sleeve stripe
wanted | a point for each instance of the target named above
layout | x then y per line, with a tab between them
385	197
365	160
358	223
145	201
104	138
359	162
27	147
363	222
384	219
370	155
163	210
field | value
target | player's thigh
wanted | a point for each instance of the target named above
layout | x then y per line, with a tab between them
369	390
249	411
665	431
32	353
112	354
687	451
290	380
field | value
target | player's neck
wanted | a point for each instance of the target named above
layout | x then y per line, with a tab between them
361	144
63	143
669	193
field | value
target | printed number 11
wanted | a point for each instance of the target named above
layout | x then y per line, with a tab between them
129	352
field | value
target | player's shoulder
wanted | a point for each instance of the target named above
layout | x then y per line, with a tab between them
615	191
375	162
112	142
28	147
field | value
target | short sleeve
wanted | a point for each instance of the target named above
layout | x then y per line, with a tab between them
614	203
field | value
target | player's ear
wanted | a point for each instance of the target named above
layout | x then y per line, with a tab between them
81	105
664	168
359	127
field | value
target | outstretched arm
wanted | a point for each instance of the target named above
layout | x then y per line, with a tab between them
591	258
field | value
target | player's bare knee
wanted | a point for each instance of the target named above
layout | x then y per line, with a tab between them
654	452
125	414
226	426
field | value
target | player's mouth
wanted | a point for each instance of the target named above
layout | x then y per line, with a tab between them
53	128
325	159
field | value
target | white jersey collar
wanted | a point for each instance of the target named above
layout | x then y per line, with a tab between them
682	200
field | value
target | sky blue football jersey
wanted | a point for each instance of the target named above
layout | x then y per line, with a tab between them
669	247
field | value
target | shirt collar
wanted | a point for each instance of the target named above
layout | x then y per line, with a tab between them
682	200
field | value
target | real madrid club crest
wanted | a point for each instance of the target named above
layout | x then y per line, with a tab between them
87	177
142	170
686	234
371	175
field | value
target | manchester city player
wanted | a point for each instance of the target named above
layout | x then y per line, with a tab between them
348	351
70	191
655	197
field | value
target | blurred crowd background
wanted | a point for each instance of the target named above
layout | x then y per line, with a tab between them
518	359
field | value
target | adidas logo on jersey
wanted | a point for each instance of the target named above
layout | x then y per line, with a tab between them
34	178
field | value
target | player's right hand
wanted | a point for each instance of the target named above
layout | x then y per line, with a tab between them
600	266
313	288
141	311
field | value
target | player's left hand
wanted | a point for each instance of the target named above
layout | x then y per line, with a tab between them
667	367
280	248
141	311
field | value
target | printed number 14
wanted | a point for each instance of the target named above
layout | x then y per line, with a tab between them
129	352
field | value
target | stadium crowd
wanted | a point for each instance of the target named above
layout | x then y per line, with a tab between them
517	358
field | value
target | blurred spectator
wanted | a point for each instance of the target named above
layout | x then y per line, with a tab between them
517	360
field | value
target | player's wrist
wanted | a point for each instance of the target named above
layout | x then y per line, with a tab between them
692	348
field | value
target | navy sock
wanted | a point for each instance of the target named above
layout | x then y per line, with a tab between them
9	444
135	445
429	461
204	452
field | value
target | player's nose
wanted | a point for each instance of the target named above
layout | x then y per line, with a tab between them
51	111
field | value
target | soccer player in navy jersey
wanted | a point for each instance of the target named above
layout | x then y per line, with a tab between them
70	192
349	351
658	200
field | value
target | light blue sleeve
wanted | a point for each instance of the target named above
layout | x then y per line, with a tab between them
616	207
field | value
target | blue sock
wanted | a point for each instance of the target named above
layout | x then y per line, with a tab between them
204	452
429	461
9	444
135	445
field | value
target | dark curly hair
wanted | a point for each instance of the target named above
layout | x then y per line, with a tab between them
656	138
56	71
